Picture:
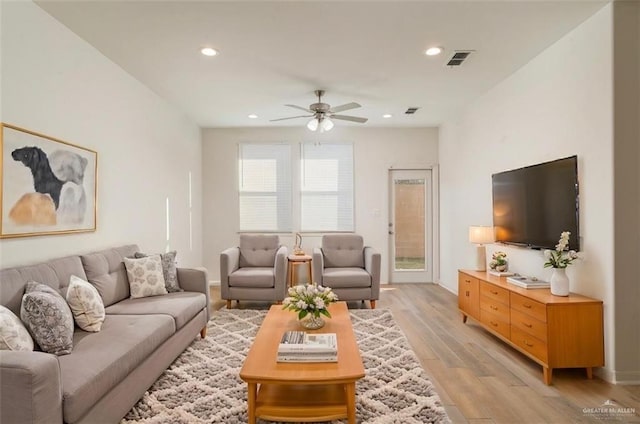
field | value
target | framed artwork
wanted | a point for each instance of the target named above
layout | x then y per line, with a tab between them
48	186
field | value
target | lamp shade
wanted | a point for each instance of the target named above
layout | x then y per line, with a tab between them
312	124
326	124
481	235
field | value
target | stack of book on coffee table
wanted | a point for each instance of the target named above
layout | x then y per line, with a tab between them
298	346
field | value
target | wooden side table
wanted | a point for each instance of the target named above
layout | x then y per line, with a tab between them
294	262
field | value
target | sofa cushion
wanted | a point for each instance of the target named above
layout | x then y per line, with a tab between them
86	304
182	306
105	270
258	250
145	276
169	270
346	277
253	277
48	318
55	273
343	250
13	334
100	361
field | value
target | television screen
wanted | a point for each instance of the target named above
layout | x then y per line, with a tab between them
533	205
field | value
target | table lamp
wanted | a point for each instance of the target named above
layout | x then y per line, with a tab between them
481	236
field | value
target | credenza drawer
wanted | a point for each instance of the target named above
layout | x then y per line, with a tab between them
494	307
529	307
531	344
529	325
495	323
494	292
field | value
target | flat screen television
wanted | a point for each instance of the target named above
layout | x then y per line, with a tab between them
534	204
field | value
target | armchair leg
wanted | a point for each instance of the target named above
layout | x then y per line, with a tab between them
203	332
373	304
228	304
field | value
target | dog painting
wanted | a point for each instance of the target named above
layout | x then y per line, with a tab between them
48	185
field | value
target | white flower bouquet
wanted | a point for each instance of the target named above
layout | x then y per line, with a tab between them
562	257
310	299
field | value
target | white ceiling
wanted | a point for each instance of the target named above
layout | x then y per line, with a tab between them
277	53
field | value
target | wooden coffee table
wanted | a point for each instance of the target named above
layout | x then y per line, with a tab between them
302	392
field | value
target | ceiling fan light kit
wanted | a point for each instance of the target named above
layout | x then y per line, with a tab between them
322	114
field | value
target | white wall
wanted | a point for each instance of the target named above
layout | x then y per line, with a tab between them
559	104
375	151
56	84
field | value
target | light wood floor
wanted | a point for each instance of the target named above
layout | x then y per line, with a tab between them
479	378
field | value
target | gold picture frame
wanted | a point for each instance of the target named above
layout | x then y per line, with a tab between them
47	186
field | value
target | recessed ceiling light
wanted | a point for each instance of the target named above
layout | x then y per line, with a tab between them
208	51
253	116
387	115
433	51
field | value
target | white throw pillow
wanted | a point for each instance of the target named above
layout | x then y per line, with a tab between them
86	304
145	276
13	333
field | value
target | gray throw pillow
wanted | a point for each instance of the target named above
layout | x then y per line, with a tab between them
48	318
169	270
145	276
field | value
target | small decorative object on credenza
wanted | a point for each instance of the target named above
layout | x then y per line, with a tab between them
310	302
481	235
498	265
559	260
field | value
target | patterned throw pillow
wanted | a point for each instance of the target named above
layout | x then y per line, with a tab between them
13	334
169	270
48	318
145	276
86	304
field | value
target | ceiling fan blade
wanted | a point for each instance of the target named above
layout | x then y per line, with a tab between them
300	107
350	118
291	117
344	107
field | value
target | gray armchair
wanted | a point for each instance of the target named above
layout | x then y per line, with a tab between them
348	267
256	270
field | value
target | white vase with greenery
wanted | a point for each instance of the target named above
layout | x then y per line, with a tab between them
559	259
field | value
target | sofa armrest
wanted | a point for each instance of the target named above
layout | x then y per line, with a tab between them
318	265
229	262
195	280
30	388
280	270
372	266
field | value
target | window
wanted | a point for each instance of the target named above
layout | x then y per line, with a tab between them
265	187
326	187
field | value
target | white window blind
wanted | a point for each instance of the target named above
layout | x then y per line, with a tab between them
327	187
265	187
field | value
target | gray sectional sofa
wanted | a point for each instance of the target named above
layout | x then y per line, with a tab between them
108	371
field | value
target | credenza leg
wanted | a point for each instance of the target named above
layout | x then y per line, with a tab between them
228	304
589	373
373	304
251	402
547	374
203	332
464	319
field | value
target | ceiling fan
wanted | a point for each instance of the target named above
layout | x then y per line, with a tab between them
322	114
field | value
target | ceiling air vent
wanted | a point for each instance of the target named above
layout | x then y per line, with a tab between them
411	110
459	56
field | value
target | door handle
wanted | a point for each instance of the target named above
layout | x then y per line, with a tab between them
391	232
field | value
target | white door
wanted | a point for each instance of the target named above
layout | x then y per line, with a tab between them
410	226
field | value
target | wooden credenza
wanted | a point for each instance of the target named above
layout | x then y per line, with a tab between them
554	331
